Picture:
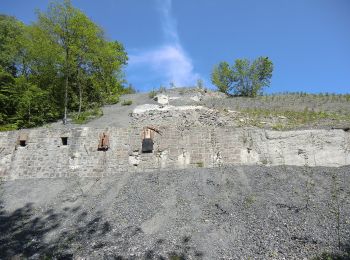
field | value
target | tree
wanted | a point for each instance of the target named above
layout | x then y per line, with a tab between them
63	62
34	107
11	34
11	41
7	96
244	77
222	77
89	62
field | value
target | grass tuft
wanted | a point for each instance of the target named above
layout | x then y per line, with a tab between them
8	127
200	164
126	102
87	115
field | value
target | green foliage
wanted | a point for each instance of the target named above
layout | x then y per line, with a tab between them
62	62
152	94
8	127
129	90
162	89
244	77
291	119
222	77
126	102
112	99
249	200
200	164
83	117
11	40
34	107
8	96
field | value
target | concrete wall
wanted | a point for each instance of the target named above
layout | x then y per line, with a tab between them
44	156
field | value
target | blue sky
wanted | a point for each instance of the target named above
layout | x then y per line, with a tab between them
180	41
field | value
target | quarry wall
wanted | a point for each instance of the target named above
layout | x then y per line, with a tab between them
44	155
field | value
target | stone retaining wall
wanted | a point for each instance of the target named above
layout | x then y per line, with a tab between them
44	155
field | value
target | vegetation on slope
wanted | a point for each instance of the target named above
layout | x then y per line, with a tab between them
62	62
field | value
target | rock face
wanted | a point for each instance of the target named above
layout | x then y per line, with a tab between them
45	155
162	99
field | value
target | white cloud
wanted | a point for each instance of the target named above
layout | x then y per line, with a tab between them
169	60
169	24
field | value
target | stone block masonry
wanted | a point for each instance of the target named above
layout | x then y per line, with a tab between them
45	155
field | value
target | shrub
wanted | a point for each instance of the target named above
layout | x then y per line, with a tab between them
8	127
129	90
162	89
200	164
111	100
126	102
87	115
152	94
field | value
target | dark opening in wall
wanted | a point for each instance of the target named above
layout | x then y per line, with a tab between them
147	136
22	139
147	145
64	140
103	143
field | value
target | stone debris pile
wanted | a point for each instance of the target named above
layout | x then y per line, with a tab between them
182	115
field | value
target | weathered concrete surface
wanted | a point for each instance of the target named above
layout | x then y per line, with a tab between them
44	156
240	212
307	147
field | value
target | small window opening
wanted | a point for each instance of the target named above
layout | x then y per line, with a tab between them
147	138
147	145
64	140
103	143
22	139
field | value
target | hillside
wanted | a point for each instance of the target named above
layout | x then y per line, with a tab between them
203	107
228	178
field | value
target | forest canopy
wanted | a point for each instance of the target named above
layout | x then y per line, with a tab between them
62	62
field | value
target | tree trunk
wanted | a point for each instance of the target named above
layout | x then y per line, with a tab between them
65	100
66	47
29	114
80	92
80	98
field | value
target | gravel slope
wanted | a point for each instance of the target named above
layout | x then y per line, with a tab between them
223	213
119	115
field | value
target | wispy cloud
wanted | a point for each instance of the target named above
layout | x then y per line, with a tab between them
169	60
169	24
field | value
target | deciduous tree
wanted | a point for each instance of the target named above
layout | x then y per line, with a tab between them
244	77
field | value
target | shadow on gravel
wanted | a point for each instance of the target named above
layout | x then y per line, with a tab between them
23	231
343	254
24	234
